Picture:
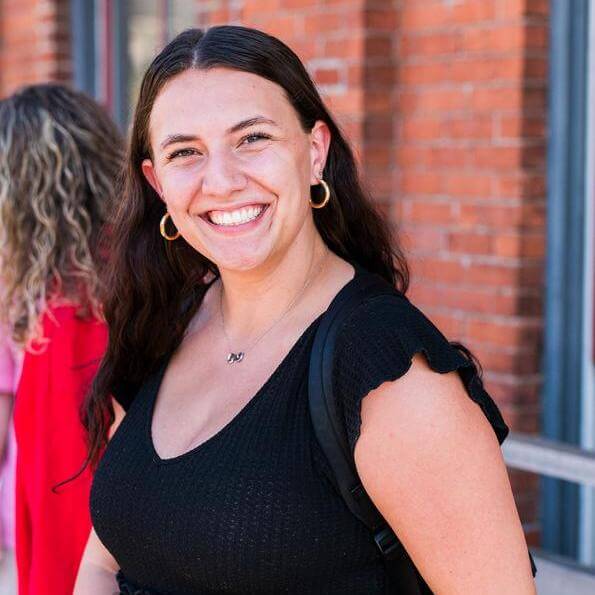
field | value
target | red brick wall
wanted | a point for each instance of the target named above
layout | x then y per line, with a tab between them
34	42
470	187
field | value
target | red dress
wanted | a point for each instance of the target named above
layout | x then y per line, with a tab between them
52	528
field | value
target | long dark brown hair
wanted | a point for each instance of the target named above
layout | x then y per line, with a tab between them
155	287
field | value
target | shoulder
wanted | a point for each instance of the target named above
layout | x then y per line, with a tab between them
388	339
425	410
378	340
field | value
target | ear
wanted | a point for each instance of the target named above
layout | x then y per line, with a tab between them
151	177
320	140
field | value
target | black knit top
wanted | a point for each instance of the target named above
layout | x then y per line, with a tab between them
254	510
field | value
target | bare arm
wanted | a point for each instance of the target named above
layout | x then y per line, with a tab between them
433	466
6	400
98	568
97	572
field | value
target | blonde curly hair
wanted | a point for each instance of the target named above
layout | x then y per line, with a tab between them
60	159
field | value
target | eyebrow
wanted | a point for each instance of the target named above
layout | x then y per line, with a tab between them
182	138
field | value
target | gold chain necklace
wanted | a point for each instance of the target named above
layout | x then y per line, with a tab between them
238	356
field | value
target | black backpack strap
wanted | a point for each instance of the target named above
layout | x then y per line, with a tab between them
330	432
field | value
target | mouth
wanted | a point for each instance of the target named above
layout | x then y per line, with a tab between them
242	218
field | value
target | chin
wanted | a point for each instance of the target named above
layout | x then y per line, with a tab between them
239	262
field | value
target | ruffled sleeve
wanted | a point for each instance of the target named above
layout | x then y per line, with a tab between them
377	344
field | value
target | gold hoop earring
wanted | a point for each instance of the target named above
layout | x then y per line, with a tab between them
162	229
327	196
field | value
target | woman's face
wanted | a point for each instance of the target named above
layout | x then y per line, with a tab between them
233	165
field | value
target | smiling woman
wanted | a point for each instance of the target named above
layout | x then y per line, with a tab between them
243	225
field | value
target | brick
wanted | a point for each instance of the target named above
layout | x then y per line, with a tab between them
537	36
299	4
378	182
428	211
420	240
433	44
421	128
424	74
346	106
470	300
325	76
450	326
498	98
494	275
476	127
497	157
380	156
511	395
426	183
380	46
485	69
378	101
416	17
507	360
438	269
345	46
505	332
469	184
381	19
520	245
282	26
493	38
514	8
444	156
439	99
472	12
379	75
520	126
536	68
319	23
526	215
522	185
469	243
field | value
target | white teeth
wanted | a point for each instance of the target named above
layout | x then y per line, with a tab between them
237	217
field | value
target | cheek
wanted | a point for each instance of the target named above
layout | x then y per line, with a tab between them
282	171
179	186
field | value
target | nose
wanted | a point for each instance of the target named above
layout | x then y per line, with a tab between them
221	176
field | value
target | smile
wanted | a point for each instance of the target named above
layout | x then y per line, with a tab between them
237	217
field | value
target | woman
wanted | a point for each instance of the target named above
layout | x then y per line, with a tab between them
226	260
59	157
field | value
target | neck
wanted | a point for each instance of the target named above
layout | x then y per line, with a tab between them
252	302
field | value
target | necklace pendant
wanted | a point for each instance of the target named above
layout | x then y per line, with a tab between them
235	358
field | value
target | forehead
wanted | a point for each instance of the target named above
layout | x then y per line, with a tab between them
206	102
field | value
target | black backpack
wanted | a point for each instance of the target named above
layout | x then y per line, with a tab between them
403	576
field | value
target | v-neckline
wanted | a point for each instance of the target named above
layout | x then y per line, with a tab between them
159	375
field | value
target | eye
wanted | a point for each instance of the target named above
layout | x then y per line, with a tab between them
255	135
181	153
